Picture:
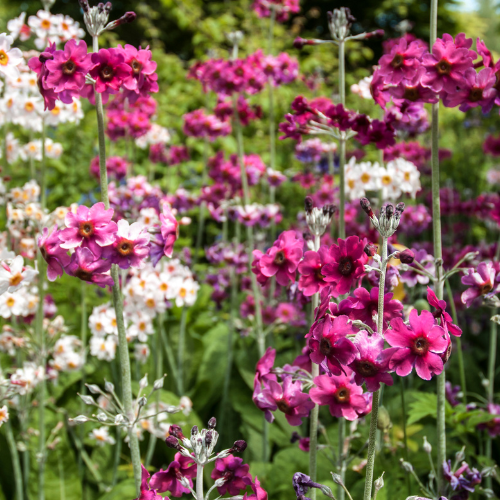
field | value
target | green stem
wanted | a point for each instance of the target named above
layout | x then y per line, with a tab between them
342	143
117	299
116	459
370	464
314	417
201	217
405	434
199	482
16	465
62	489
83	388
341	458
167	348
180	353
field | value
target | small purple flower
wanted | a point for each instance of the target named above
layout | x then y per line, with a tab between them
131	245
411	277
85	266
402	63
482	282
235	474
301	484
56	257
169	479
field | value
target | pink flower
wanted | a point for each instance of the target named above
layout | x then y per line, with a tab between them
282	259
39	66
446	319
56	257
340	394
258	493
235	474
418	345
329	344
146	492
282	8
348	260
265	365
481	282
85	266
311	280
402	62
288	398
131	245
169	479
370	365
169	230
89	227
68	68
109	71
412	90
305	444
446	65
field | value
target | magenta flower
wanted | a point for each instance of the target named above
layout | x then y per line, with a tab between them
446	66
418	345
143	79
169	479
109	71
481	282
367	307
311	280
446	319
265	365
89	227
235	474
85	266
39	66
131	245
282	259
402	62
258	493
56	257
370	365
287	397
329	344
492	426
343	397
412	90
169	230
68	68
146	492
348	260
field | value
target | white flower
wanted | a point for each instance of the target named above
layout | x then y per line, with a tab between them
156	135
10	59
15	275
410	176
17	28
26	378
4	415
141	327
103	348
390	179
141	352
101	436
12	304
186	405
362	88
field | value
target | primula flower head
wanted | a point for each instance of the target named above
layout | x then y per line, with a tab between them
446	319
57	258
169	230
85	266
169	479
402	62
481	282
235	474
311	279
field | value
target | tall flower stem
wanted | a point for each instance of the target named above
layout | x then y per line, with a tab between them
117	299
203	206
314	417
199	482
370	463
342	142
438	254
180	352
341	458
16	464
83	337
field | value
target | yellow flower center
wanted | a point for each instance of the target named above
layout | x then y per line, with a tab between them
4	58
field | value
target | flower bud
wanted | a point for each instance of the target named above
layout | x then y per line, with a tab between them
172	442
407	466
212	423
337	478
208	438
81	419
374	34
427	446
239	446
406	256
119	419
384	419
370	249
158	384
94	389
379	483
142	402
143	383
400	208
460	455
84	4
299	43
108	386
308	205
194	430
365	205
102	417
88	400
389	210
175	430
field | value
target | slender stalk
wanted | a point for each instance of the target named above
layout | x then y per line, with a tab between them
83	388
180	353
43	180
370	464
199	482
436	232
16	464
341	458
314	417
201	217
405	434
62	489
117	299
116	459
167	348
5	162
342	143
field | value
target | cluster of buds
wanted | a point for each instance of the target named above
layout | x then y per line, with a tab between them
201	444
96	18
111	410
389	217
318	219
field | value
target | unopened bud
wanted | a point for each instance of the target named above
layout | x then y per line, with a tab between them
128	17
337	478
108	386
407	466
175	430
84	4
374	34
194	430
143	383
389	210
239	446
208	438
427	446
329	210
88	400
371	249
379	483
365	205
406	256
94	389
158	384
212	423
142	402
172	442
102	417
400	208
298	43
81	419
384	419
119	419
460	455
308	204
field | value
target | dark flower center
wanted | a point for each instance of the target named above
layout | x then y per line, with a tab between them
83	274
282	405
68	68
325	347
136	66
86	229
107	73
411	94
420	346
318	274
366	368
342	395
125	247
485	288
443	67
475	94
346	266
279	258
398	61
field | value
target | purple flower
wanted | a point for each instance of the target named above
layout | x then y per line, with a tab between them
370	365
481	282
169	479
402	63
90	228
411	277
143	79
131	245
301	484
85	266
146	492
56	257
265	365
446	319
109	71
169	230
235	474
493	425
